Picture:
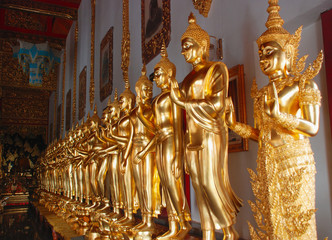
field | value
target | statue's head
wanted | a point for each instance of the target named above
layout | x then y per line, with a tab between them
112	112
164	70
94	120
143	87
195	42
127	100
277	48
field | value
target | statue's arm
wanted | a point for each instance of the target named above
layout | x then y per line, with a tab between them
241	129
146	122
121	140
130	140
148	148
110	140
309	102
177	165
176	94
99	138
310	107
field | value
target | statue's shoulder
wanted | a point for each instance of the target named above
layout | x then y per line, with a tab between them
217	65
123	120
310	84
217	68
161	97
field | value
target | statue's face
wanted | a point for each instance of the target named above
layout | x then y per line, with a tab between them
160	77
191	50
272	58
93	126
114	113
124	103
105	117
146	92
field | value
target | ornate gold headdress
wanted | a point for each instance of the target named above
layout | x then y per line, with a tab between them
125	51
164	62
203	6
275	32
195	32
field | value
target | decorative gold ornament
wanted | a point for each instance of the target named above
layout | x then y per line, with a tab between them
152	38
92	52
42	8
24	20
75	75
54	113
203	6
125	42
63	92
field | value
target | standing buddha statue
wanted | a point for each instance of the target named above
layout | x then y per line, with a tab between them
202	95
145	171
124	135
168	139
286	114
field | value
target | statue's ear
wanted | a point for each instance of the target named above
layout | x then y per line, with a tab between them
170	72
289	49
204	45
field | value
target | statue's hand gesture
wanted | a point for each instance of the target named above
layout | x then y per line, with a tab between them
138	158
271	102
173	82
123	167
176	167
230	115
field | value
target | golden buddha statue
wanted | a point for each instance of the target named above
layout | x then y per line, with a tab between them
166	125
124	137
286	113
93	143
111	118
202	95
145	171
78	163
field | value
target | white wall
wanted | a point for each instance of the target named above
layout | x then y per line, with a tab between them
239	23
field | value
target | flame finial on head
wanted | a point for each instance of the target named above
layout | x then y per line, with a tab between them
163	50
164	62
95	111
142	79
115	96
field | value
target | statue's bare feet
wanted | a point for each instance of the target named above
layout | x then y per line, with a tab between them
182	233
230	233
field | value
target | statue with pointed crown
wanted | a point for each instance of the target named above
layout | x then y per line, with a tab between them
286	113
203	94
166	125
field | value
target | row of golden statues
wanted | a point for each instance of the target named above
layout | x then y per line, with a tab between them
146	150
